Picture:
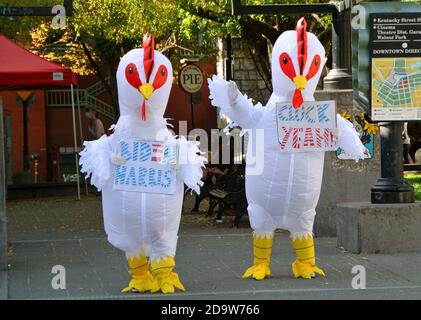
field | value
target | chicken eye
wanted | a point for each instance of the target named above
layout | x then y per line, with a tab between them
287	66
314	67
161	77
132	76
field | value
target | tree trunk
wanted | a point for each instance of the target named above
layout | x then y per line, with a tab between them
96	67
112	67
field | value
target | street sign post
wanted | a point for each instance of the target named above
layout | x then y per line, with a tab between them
395	59
32	11
395	51
191	80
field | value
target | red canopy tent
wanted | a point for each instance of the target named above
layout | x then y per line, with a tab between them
20	68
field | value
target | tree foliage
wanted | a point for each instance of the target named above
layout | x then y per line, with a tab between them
101	31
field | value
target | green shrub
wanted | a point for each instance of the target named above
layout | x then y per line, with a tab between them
415	180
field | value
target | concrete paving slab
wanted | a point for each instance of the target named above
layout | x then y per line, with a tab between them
4	284
210	261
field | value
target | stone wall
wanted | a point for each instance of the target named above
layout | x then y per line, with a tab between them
343	180
244	71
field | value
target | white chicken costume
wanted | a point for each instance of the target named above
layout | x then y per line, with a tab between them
143	224
286	193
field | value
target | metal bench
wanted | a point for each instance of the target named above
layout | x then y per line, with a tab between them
412	167
229	193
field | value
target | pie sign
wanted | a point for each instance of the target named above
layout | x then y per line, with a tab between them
191	78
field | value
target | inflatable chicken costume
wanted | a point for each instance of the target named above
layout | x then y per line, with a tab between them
285	194
141	169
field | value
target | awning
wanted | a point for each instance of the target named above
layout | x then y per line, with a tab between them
19	67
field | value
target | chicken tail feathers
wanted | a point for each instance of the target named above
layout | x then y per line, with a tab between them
95	161
192	161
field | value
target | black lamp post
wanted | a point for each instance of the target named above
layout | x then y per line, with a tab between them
391	187
25	99
26	160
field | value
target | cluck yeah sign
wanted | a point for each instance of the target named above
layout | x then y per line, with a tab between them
311	127
146	167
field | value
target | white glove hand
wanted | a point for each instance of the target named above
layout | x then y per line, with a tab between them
117	160
336	134
349	139
367	154
233	93
222	92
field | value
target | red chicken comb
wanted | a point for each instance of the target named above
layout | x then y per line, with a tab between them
302	43
301	29
148	45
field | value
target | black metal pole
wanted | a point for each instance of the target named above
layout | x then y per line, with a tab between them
391	187
26	160
243	9
68	5
192	111
31	11
339	77
228	63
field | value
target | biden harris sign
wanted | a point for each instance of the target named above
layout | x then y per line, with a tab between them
146	167
312	127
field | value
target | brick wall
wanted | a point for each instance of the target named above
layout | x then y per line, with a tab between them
245	73
36	132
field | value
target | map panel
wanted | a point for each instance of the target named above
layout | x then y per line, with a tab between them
396	89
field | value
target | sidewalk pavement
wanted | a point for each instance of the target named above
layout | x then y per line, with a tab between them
210	260
4	284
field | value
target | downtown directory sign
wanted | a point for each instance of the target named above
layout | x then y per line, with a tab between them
395	47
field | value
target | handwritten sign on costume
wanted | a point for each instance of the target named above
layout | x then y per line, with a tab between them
309	128
149	167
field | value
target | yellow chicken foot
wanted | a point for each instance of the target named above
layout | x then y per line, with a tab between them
305	264
166	280
141	280
262	250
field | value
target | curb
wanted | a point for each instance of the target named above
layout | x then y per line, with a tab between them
4	284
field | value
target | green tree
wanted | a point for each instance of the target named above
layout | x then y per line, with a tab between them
17	28
101	31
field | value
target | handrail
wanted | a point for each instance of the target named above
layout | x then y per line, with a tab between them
241	9
87	99
97	88
100	106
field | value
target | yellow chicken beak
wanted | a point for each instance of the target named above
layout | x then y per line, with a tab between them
146	90
300	82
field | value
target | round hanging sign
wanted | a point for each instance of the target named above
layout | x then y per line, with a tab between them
191	78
